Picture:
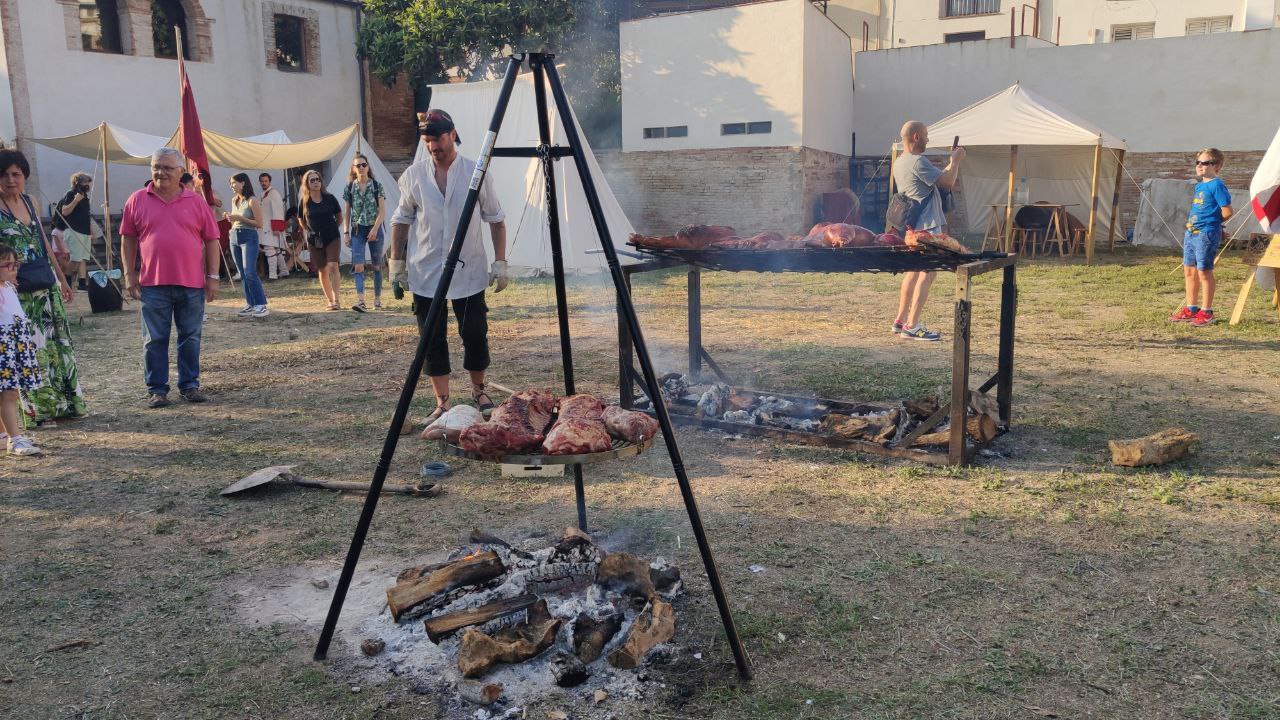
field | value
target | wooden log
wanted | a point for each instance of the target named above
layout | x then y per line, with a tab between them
627	574
983	403
591	635
1158	449
934	438
442	626
982	428
418	571
921	408
479	693
654	626
568	670
479	652
876	428
470	570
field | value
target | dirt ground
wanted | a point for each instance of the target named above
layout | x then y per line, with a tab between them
1043	582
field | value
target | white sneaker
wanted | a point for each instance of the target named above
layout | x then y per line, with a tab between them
246	311
259	311
235	278
19	445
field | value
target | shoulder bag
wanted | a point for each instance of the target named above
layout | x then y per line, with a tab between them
36	274
903	212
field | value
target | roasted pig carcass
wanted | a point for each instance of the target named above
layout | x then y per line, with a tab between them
696	237
839	235
664	242
516	426
577	436
760	241
629	425
934	241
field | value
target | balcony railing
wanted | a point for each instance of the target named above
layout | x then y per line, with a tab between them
961	8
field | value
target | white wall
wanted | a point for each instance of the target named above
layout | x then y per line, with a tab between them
237	94
768	61
918	22
1159	95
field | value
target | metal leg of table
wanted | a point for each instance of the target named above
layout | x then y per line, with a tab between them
695	323
1008	315
960	370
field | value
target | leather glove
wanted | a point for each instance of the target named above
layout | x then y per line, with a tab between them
498	277
397	272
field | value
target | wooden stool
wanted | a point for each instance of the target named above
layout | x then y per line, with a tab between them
1024	241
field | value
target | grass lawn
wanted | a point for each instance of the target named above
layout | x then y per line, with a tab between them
1043	582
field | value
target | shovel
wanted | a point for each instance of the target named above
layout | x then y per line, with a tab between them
266	475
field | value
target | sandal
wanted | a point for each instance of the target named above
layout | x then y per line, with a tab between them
442	407
334	306
477	392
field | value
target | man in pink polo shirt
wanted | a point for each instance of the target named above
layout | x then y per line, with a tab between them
170	244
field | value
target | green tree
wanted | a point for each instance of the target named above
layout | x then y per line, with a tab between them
421	40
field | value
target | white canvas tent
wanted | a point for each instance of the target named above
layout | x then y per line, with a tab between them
269	151
1019	143
519	182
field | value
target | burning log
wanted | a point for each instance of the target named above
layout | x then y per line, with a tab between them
626	574
574	546
876	428
479	652
591	635
559	576
654	626
1162	447
470	570
568	670
741	400
418	571
480	693
442	626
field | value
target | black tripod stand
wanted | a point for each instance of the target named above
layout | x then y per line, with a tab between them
544	73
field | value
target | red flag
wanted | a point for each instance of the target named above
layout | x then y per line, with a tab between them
190	141
1264	191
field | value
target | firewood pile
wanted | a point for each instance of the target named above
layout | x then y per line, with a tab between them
497	615
885	424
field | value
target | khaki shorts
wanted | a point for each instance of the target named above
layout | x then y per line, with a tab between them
78	244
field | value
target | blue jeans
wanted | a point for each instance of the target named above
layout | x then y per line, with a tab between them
360	242
164	306
244	251
1199	247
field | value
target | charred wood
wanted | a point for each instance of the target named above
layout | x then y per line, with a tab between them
591	635
656	625
442	626
478	652
470	570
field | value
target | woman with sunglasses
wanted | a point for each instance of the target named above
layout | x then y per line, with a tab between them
20	228
362	217
246	219
319	215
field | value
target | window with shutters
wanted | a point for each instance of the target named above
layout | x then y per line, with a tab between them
1209	25
1133	31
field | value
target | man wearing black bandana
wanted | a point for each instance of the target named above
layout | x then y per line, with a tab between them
432	194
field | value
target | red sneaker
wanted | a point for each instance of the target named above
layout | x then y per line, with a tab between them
1204	317
1183	315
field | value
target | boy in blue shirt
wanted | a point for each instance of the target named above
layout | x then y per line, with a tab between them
1210	208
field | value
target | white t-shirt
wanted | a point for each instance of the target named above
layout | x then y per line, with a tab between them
434	218
10	308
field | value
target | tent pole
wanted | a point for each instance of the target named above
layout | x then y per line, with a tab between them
106	195
1093	203
1115	203
1008	203
358	134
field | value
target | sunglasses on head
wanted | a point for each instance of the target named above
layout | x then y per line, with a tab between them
1205	163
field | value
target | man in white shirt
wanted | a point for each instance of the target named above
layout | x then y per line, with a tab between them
272	239
432	194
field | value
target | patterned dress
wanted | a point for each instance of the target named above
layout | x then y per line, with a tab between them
60	396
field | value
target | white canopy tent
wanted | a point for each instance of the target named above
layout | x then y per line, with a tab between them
269	151
519	181
1019	143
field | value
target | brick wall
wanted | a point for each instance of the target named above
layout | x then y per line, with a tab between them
393	129
751	189
1236	172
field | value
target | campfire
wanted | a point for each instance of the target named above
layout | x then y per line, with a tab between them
884	424
504	623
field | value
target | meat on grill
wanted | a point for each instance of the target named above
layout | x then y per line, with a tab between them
516	426
701	236
941	241
888	238
577	436
586	407
839	235
629	425
761	241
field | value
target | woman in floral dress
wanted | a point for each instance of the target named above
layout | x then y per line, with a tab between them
19	228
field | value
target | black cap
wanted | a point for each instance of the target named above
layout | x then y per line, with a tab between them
436	122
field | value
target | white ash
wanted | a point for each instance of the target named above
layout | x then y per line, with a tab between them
433	668
740	416
712	402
